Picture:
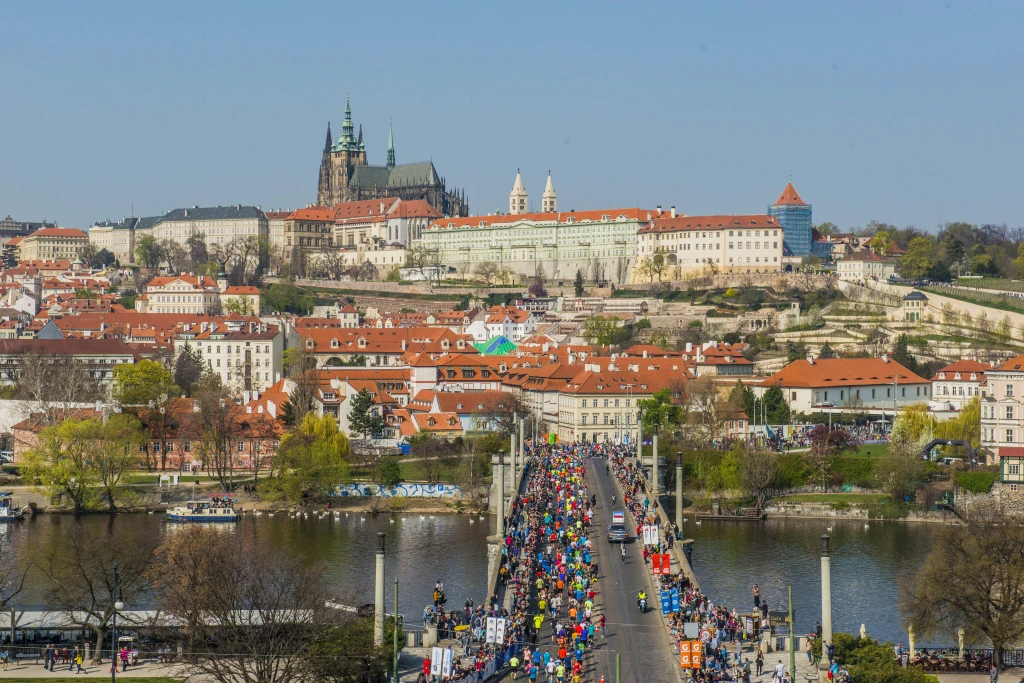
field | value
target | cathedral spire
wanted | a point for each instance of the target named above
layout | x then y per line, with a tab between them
517	197
549	200
362	145
330	141
347	142
323	189
391	145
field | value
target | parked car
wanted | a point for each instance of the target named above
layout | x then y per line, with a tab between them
949	462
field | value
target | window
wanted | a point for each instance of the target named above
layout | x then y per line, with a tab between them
584	419
1009	412
1013	469
188	446
1009	435
1009	390
584	405
241	446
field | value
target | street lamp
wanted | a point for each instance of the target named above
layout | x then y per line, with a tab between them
118	606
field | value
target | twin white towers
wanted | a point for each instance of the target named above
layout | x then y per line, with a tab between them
517	199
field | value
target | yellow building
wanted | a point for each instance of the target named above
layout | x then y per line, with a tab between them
53	243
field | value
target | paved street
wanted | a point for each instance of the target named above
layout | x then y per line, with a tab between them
641	639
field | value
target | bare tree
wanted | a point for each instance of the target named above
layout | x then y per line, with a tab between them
57	380
487	270
80	571
214	427
703	404
250	613
759	469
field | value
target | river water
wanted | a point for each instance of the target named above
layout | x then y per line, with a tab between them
419	551
729	557
868	565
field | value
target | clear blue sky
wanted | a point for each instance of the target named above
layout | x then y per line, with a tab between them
904	112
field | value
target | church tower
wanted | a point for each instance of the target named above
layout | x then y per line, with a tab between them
391	146
517	197
549	200
323	188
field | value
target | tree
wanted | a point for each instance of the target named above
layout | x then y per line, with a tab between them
309	461
826	351
660	339
242	305
644	268
704	409
486	271
882	243
955	253
287	298
195	245
827	228
776	407
578	283
1018	263
363	418
61	463
214	427
300	367
973	578
188	369
388	472
142	382
606	331
826	446
247	259
810	263
148	252
537	288
795	351
898	472
660	411
249	613
901	354
57	380
115	453
80	572
758	472
917	261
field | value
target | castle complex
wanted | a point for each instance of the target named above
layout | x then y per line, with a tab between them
345	176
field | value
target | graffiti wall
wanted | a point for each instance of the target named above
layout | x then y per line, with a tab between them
400	491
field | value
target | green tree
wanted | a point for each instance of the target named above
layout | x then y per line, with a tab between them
242	305
660	339
1018	262
882	242
827	228
309	461
61	463
826	447
606	331
148	252
918	259
899	471
363	417
389	472
901	354
795	351
188	369
660	411
115	453
742	398
826	351
139	383
955	253
578	283
810	262
287	298
775	405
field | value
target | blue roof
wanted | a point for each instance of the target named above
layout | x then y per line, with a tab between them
496	346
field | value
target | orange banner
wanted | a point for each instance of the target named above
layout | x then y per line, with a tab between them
695	654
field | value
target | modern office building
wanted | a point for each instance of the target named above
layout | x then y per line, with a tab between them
795	216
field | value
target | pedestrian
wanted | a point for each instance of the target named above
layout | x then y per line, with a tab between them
78	661
603	634
759	660
810	654
830	651
780	669
5	657
74	656
757	596
993	674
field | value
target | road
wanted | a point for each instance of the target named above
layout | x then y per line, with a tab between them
641	639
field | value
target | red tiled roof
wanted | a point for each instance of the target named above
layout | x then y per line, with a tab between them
964	366
841	372
316	213
242	289
789	197
414	208
368	208
59	232
866	255
718	222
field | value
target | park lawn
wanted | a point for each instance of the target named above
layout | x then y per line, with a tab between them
875	450
849	498
411	471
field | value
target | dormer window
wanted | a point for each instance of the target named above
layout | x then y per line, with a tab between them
310	343
362	342
334	343
444	344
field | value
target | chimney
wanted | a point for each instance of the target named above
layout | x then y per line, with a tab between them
245	397
645	353
658	209
810	359
885	358
633	368
672	212
689	347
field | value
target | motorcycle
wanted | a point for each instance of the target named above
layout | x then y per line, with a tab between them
642	603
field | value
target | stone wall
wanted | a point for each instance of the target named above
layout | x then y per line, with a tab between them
1000	497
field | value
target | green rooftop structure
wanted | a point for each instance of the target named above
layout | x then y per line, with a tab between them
496	346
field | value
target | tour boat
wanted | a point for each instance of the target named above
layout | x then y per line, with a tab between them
216	509
9	510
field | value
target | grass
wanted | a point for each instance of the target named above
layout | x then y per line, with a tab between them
879	450
410	471
859	499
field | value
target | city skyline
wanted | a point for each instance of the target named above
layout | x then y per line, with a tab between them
898	114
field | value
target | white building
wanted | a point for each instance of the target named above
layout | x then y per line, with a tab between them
865	265
244	351
878	385
743	243
955	385
510	322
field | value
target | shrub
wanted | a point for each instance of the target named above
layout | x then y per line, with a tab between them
887	510
975	482
856	471
792	471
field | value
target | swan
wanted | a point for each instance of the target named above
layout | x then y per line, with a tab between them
828	529
698	522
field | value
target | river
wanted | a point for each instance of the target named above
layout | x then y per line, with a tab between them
452	548
728	557
867	567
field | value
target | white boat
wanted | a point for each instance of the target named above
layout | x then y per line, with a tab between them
10	511
216	509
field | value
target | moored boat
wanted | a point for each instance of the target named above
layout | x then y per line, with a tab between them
216	509
10	511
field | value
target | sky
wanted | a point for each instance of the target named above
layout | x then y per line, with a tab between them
906	113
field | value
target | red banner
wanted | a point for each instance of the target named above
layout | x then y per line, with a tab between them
666	563
656	563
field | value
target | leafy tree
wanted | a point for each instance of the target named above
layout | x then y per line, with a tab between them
795	351
389	472
363	417
660	339
142	382
973	578
917	262
1018	262
61	463
578	283
242	305
309	461
826	351
826	447
188	369
606	331
537	288
827	228
775	405
287	298
148	252
882	243
901	354
660	411
955	253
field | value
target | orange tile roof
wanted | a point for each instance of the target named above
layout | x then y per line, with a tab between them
717	222
316	213
368	208
963	366
551	217
242	289
789	197
59	232
841	372
414	208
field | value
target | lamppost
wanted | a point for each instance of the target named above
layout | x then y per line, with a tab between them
826	592
679	490
118	606
654	456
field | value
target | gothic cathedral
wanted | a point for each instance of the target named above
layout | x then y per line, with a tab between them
346	177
